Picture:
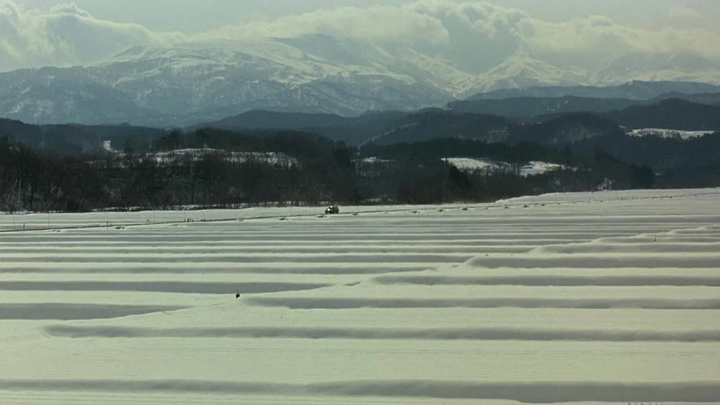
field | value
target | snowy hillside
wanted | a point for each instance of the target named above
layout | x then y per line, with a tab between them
669	133
191	83
270	158
471	164
530	169
600	298
195	83
64	64
521	71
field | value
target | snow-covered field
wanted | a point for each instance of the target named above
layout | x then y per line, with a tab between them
609	297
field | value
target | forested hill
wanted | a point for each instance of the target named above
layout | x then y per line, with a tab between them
210	167
634	90
505	120
78	139
526	108
224	169
386	128
671	114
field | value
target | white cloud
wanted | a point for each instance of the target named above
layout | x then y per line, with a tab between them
473	36
65	35
480	35
684	12
596	40
477	36
376	24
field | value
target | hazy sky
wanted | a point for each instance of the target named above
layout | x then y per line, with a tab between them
475	35
193	16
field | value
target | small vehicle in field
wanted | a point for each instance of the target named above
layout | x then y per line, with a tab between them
333	209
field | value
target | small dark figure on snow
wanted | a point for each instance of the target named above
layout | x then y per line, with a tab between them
237	295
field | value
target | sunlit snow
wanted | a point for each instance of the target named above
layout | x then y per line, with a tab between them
669	133
530	169
593	298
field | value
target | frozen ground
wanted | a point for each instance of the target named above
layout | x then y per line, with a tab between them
609	298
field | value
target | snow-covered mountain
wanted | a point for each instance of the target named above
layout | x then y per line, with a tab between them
521	71
660	67
201	82
194	83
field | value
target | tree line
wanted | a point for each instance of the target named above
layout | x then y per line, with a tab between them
318	170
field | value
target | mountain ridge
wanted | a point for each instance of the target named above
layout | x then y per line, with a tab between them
632	90
190	83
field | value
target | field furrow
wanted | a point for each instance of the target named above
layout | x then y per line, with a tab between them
599	298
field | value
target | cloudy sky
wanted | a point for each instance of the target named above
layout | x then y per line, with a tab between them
476	35
203	15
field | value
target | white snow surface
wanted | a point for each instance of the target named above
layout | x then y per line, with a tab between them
473	164
535	168
669	133
107	146
270	158
592	298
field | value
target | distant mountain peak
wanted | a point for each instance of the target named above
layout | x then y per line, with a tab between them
194	82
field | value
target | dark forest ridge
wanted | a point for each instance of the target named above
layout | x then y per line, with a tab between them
482	119
554	126
403	157
634	90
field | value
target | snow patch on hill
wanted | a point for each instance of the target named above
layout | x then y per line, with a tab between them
199	154
475	164
669	133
